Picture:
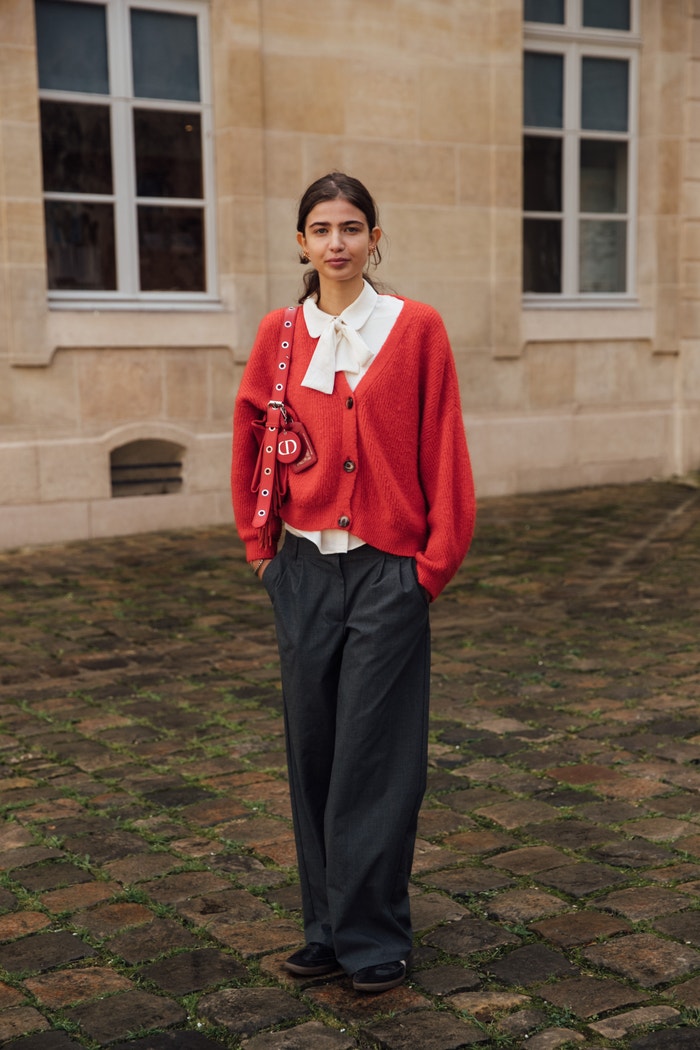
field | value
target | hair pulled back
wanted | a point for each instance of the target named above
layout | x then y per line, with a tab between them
329	188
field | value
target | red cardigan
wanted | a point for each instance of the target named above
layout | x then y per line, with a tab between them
410	490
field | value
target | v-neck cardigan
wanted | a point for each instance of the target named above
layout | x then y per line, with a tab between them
393	466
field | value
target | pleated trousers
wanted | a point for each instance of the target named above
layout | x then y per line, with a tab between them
353	633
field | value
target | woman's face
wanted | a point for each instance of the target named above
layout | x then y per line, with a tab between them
338	240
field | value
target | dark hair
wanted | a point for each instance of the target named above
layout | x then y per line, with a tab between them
329	188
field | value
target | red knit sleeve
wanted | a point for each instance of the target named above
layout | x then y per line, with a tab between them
253	395
444	464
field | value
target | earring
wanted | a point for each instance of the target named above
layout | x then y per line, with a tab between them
305	258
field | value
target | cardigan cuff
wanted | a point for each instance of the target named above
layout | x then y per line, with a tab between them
254	551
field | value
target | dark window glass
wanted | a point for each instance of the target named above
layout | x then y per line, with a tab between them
543	90
606	14
76	147
542	256
171	249
603	179
545	11
165	56
542	173
72	46
80	245
604	94
602	255
168	153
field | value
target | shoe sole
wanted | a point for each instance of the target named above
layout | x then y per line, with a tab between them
310	971
378	986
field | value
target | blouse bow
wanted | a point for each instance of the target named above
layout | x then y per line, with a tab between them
340	347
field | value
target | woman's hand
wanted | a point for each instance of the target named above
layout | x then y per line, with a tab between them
261	571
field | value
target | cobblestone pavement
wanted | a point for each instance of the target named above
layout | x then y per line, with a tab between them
148	891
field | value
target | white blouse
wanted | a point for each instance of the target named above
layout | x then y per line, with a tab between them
347	343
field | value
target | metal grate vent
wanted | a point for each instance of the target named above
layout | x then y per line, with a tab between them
146	468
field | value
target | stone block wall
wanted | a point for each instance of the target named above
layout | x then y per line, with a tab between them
423	102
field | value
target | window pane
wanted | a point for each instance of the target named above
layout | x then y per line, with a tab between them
543	90
168	153
165	56
604	91
542	168
542	256
602	256
72	46
606	14
545	11
76	148
80	245
171	249
603	176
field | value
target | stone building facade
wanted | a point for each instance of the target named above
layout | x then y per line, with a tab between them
537	169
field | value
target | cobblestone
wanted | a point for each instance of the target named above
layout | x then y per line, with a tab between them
309	1036
470	935
486	1005
127	1012
246	1011
643	902
447	980
75	985
43	951
553	1038
194	971
148	888
644	958
43	1041
684	926
590	996
621	1025
573	929
531	964
171	1041
429	1031
670	1039
524	905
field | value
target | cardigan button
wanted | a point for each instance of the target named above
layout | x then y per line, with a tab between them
348	466
349	403
343	521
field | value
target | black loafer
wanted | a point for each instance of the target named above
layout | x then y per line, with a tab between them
312	961
379	978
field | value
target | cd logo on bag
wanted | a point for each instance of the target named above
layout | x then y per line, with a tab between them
288	447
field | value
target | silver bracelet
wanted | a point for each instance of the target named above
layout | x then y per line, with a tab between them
255	566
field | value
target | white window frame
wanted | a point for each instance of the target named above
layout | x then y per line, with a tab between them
121	102
574	41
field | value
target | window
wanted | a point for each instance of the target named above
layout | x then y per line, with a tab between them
126	155
579	148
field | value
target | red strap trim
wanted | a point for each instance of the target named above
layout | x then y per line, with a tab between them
270	480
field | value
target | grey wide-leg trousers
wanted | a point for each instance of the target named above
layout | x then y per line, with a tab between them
354	641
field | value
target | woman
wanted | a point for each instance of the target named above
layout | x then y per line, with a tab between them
374	529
